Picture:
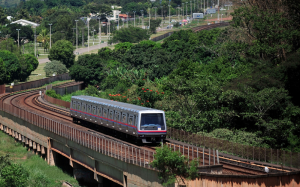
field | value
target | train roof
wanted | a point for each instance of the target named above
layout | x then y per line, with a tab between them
117	104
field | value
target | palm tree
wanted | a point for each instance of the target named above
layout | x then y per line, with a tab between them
43	37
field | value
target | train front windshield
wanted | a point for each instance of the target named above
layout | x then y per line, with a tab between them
152	122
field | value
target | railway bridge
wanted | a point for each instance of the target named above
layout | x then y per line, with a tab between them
48	130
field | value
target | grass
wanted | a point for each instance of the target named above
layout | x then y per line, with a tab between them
39	73
36	165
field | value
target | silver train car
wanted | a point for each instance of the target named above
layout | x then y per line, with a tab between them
145	124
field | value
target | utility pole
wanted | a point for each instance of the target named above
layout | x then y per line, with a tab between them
35	41
88	20
186	9
155	11
149	17
127	19
18	37
118	19
76	35
191	10
169	17
134	18
50	34
218	10
100	32
142	18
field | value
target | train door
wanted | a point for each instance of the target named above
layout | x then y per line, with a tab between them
136	124
131	124
89	111
78	110
117	121
105	115
72	107
111	118
84	116
124	119
94	112
99	115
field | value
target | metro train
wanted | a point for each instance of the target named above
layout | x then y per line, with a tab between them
144	124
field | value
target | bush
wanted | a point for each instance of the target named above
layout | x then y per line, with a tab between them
55	67
12	174
177	24
53	94
130	34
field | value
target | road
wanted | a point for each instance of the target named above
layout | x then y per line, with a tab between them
78	51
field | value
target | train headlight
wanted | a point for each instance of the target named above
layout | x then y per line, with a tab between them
142	136
162	136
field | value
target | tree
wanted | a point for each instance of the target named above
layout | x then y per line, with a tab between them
55	67
12	174
3	19
43	37
25	31
3	73
12	65
154	24
269	27
88	68
28	64
9	45
22	14
62	51
173	166
131	34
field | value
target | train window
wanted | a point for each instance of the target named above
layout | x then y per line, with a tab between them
105	112
89	109
94	110
117	116
111	114
124	118
74	104
99	111
78	105
152	120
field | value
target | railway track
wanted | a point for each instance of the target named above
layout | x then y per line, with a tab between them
229	168
32	101
208	27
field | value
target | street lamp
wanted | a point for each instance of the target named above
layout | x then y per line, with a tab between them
186	10
142	18
178	12
149	17
221	17
100	31
18	37
76	35
35	41
50	34
169	17
23	39
134	18
88	22
155	11
127	19
191	10
183	10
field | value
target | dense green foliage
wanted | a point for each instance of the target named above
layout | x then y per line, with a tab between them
12	65
205	83
173	166
53	94
130	34
62	51
55	67
12	174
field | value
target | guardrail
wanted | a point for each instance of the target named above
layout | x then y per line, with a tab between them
92	140
273	156
37	83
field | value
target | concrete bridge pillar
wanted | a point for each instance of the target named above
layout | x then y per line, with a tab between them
51	155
